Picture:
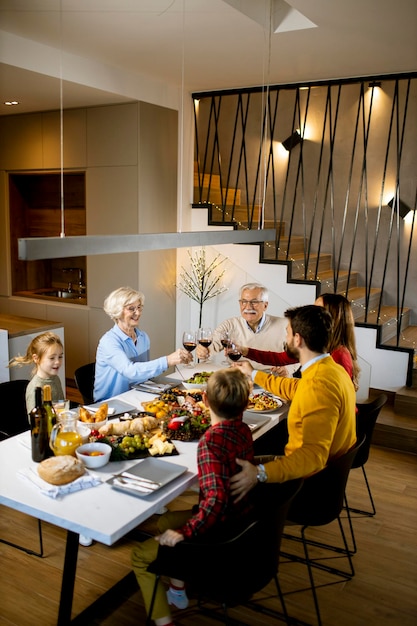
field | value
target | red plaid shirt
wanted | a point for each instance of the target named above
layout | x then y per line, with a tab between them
216	455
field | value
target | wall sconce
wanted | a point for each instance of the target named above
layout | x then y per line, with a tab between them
375	83
403	208
292	141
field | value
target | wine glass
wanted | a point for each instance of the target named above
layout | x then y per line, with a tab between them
189	341
205	337
226	342
233	353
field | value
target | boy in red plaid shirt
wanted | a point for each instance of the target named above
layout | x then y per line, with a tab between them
227	437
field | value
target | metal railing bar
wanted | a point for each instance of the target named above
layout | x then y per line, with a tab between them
349	185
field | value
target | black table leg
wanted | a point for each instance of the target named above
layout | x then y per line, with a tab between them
68	579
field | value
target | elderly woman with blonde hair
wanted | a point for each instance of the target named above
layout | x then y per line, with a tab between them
123	353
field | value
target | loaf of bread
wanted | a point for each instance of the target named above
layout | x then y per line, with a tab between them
60	470
136	426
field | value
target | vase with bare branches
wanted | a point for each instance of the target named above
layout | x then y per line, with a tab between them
202	280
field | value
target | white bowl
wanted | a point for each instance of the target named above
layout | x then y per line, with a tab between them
193	387
91	425
101	458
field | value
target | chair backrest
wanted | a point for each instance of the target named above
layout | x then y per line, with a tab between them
366	417
321	498
84	379
13	414
230	571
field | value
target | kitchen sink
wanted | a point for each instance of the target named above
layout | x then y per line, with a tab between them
59	293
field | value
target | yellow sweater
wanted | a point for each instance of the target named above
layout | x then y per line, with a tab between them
321	418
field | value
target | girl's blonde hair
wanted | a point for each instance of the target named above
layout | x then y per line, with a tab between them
38	347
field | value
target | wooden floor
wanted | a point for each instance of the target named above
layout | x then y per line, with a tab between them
383	591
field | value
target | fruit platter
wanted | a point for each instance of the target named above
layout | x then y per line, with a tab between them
187	417
176	414
136	445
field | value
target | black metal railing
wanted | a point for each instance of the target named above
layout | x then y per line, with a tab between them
328	199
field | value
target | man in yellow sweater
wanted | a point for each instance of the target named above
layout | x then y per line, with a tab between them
321	418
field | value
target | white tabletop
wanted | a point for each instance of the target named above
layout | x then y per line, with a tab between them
101	512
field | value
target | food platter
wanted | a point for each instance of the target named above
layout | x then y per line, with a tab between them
263	403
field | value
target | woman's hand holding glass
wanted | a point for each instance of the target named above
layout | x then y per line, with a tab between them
178	357
189	341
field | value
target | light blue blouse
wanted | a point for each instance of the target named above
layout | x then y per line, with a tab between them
120	362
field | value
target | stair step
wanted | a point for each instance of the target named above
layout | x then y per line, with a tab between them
328	283
298	269
217	196
357	296
407	339
387	320
405	402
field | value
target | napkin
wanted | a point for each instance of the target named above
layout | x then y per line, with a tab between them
55	491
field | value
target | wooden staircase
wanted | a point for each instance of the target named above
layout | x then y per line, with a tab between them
318	267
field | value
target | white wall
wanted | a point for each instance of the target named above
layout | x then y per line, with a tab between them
382	369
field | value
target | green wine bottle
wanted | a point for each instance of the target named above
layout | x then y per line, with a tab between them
39	429
47	403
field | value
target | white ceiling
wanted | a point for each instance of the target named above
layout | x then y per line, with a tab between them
106	50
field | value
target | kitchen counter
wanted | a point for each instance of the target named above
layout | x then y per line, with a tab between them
48	295
17	326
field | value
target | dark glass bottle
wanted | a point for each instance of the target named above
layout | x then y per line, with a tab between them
39	429
47	403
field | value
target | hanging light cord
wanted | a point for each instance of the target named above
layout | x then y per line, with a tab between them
61	115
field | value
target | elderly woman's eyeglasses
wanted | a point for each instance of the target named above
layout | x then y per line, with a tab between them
133	309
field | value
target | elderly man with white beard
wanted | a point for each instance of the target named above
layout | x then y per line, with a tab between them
254	328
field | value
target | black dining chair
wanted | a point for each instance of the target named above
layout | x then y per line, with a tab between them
366	417
228	572
84	379
13	421
319	502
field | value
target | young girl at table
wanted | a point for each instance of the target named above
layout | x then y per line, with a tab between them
46	352
227	437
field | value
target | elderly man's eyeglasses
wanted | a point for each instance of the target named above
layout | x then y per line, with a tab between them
250	302
133	309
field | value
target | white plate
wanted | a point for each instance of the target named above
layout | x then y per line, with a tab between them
150	469
254	422
278	402
116	407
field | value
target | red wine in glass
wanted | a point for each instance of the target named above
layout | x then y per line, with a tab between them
189	342
226	343
234	355
205	338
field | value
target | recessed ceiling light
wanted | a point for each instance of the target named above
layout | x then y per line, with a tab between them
11	103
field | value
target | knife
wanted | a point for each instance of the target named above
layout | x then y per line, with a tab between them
152	483
128	483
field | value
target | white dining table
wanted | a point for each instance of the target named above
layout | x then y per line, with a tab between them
101	512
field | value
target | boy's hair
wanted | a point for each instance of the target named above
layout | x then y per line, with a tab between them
314	324
38	346
228	392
